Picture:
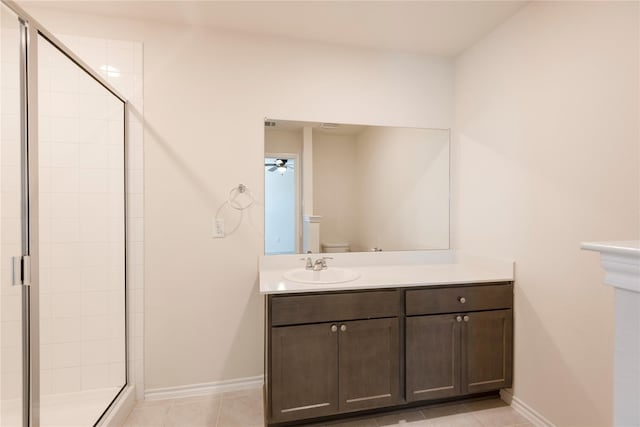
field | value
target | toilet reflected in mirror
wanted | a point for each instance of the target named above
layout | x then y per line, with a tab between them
333	248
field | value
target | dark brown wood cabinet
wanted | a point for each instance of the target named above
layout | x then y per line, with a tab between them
462	352
433	357
487	341
348	362
331	353
369	356
304	371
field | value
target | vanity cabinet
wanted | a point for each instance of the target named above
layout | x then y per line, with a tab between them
369	361
348	361
304	371
330	353
468	350
433	357
487	349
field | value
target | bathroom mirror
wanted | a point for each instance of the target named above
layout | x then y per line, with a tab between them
352	188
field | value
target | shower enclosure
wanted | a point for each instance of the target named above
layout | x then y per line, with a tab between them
62	232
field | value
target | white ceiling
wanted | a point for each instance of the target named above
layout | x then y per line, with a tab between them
431	27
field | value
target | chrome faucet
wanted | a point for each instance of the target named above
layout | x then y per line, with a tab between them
309	263
319	264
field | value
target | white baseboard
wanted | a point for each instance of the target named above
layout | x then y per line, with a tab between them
204	389
523	409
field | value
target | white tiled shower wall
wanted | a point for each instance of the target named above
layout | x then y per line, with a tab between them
82	347
121	64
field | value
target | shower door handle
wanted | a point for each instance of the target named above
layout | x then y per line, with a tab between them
21	270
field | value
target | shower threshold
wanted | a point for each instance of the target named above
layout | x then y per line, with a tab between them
78	409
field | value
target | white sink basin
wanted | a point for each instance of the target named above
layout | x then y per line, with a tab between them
322	277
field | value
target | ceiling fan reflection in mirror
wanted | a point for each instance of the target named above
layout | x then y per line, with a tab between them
279	165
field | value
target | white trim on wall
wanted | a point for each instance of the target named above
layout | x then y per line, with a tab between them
523	409
204	389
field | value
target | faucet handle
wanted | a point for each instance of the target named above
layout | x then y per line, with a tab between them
309	263
323	261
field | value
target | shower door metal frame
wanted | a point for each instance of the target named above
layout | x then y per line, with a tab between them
30	29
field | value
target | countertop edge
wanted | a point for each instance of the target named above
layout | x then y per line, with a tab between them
362	287
620	248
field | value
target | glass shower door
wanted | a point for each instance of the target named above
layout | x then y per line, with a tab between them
62	206
81	242
12	296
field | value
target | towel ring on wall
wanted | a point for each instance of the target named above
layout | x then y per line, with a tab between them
240	199
237	194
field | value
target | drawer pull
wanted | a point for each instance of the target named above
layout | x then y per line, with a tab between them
343	328
458	318
302	408
334	328
360	399
462	300
465	318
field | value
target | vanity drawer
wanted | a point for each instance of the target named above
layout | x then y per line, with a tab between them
297	309
459	299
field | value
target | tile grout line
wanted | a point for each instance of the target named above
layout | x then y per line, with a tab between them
478	420
219	410
166	414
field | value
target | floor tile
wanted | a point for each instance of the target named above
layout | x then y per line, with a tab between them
194	413
242	411
149	416
438	411
499	417
400	418
245	409
199	413
457	420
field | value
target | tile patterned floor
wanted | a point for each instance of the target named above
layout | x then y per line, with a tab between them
244	409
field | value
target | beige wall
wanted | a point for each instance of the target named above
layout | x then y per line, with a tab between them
206	95
546	155
334	186
282	141
403	188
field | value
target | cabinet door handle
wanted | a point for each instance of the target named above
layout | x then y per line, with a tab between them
334	328
458	318
462	300
343	328
466	318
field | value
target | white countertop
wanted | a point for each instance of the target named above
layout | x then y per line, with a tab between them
386	270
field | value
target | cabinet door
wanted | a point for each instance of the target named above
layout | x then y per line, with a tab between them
304	371
432	357
488	348
369	364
